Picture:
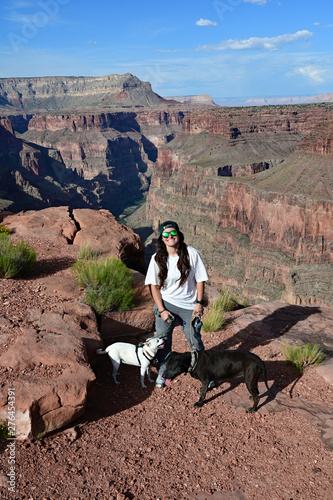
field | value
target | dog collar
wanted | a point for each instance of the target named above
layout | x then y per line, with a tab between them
147	355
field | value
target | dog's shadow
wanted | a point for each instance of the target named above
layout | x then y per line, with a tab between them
262	332
280	374
106	398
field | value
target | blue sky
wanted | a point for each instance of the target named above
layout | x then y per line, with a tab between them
225	48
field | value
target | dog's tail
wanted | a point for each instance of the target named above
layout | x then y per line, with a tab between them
264	371
100	351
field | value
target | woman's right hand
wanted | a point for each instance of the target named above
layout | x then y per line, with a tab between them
165	315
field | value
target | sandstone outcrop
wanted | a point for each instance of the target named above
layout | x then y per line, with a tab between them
98	229
51	376
34	177
49	360
272	119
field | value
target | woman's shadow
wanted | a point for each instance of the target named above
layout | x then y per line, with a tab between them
273	326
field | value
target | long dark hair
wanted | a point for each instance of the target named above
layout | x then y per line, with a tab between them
183	263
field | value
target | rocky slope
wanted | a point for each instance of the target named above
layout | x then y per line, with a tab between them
114	441
253	190
46	350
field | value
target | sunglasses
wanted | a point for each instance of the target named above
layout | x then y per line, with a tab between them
166	234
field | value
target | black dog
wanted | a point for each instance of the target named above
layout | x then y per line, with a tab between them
217	365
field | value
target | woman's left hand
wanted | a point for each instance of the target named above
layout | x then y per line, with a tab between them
198	309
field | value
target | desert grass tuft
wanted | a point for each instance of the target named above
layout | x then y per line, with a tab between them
16	259
215	317
214	320
303	355
87	253
5	433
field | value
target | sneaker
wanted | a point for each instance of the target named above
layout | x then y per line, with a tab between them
211	384
159	385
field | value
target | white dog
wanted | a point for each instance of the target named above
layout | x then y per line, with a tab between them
141	355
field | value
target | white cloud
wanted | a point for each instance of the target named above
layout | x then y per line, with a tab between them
256	43
311	72
205	22
258	2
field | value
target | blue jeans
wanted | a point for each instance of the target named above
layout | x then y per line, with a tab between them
165	329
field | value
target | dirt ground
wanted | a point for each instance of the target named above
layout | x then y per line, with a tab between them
145	444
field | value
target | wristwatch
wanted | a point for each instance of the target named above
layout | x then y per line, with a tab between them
201	302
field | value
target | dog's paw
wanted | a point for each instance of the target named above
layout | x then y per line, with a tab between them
144	386
198	404
251	410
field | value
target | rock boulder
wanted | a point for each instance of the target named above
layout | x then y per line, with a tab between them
51	376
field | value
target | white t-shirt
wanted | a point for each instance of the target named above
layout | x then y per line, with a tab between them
186	295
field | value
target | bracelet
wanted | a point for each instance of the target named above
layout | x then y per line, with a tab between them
201	302
162	311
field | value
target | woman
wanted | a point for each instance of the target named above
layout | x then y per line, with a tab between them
176	276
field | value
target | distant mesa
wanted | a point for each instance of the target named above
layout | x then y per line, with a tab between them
273	101
56	93
193	99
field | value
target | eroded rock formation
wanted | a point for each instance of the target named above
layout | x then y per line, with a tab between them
99	160
47	353
261	234
57	92
98	229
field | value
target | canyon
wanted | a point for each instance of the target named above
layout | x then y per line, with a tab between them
251	187
253	190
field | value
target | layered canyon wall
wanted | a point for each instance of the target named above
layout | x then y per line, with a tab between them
54	93
252	187
268	235
92	140
100	160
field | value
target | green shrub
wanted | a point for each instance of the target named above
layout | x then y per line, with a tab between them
108	285
303	355
87	253
4	431
4	230
16	259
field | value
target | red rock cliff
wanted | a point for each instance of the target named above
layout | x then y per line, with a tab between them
254	233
